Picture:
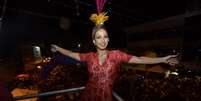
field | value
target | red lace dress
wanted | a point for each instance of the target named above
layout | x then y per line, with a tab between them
101	77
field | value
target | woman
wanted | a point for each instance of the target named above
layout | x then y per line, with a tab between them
103	65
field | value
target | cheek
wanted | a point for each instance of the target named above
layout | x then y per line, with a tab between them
97	40
106	40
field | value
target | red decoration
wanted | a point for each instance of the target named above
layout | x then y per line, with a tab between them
99	5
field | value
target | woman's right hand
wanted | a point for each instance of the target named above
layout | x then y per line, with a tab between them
54	48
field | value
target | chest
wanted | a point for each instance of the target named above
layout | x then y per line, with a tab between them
109	65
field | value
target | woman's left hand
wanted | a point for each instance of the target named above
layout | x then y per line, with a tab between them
171	60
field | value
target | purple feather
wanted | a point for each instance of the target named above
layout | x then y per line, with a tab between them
99	5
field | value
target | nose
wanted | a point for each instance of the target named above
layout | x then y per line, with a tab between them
104	40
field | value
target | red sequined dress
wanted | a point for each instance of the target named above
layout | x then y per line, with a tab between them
101	76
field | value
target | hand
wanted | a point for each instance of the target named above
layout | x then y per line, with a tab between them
171	60
54	48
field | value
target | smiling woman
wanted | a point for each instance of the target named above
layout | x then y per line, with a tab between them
100	38
103	66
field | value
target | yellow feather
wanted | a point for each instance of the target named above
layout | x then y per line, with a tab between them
99	19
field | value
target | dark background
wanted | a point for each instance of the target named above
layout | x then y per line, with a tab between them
133	24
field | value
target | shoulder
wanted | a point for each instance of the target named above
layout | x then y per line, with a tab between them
115	52
88	54
91	53
120	53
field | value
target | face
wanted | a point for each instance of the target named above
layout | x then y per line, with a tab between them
101	39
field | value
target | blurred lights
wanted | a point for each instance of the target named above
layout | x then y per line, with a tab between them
174	73
189	71
48	59
44	60
39	67
79	45
37	47
36	51
168	73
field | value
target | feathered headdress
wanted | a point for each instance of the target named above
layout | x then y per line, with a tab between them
100	17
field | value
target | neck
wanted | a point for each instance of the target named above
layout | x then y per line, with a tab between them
102	52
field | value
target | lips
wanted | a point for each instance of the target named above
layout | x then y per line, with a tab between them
102	45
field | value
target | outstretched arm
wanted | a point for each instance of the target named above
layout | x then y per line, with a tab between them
55	48
170	59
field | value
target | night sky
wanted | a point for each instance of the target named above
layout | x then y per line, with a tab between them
31	22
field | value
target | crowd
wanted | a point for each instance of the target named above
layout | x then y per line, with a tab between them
132	86
143	88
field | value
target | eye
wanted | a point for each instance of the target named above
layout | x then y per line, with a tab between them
105	36
98	37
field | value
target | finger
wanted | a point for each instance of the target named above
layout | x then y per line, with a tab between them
172	64
53	49
173	61
52	45
173	56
